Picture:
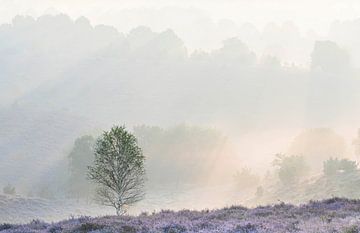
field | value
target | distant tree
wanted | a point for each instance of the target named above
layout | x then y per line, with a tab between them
335	166
356	144
259	192
80	157
290	168
118	169
246	178
234	51
9	190
317	145
329	57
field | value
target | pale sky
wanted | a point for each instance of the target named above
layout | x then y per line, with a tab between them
316	14
200	24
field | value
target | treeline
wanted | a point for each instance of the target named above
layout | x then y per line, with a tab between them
100	67
316	166
175	156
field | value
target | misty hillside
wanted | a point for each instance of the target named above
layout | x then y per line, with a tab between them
54	62
269	114
33	144
22	210
62	78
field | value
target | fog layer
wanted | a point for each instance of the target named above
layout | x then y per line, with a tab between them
202	116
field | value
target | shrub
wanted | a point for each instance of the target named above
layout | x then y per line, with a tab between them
9	190
290	168
334	166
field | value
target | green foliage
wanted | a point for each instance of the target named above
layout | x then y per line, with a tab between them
9	190
80	157
118	169
290	168
335	166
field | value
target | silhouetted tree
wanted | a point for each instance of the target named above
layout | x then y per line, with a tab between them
80	157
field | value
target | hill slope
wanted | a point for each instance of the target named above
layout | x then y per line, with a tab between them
332	215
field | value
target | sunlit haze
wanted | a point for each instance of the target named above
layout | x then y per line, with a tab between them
226	102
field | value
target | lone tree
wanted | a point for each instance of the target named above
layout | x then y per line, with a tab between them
118	169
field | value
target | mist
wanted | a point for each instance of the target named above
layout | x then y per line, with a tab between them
225	100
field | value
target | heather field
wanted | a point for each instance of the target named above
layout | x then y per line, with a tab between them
331	215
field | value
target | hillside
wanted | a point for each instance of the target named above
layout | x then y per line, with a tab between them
97	72
332	215
40	138
17	209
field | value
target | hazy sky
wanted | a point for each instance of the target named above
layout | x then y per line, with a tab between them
316	14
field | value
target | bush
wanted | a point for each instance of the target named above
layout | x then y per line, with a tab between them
9	190
334	166
290	168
